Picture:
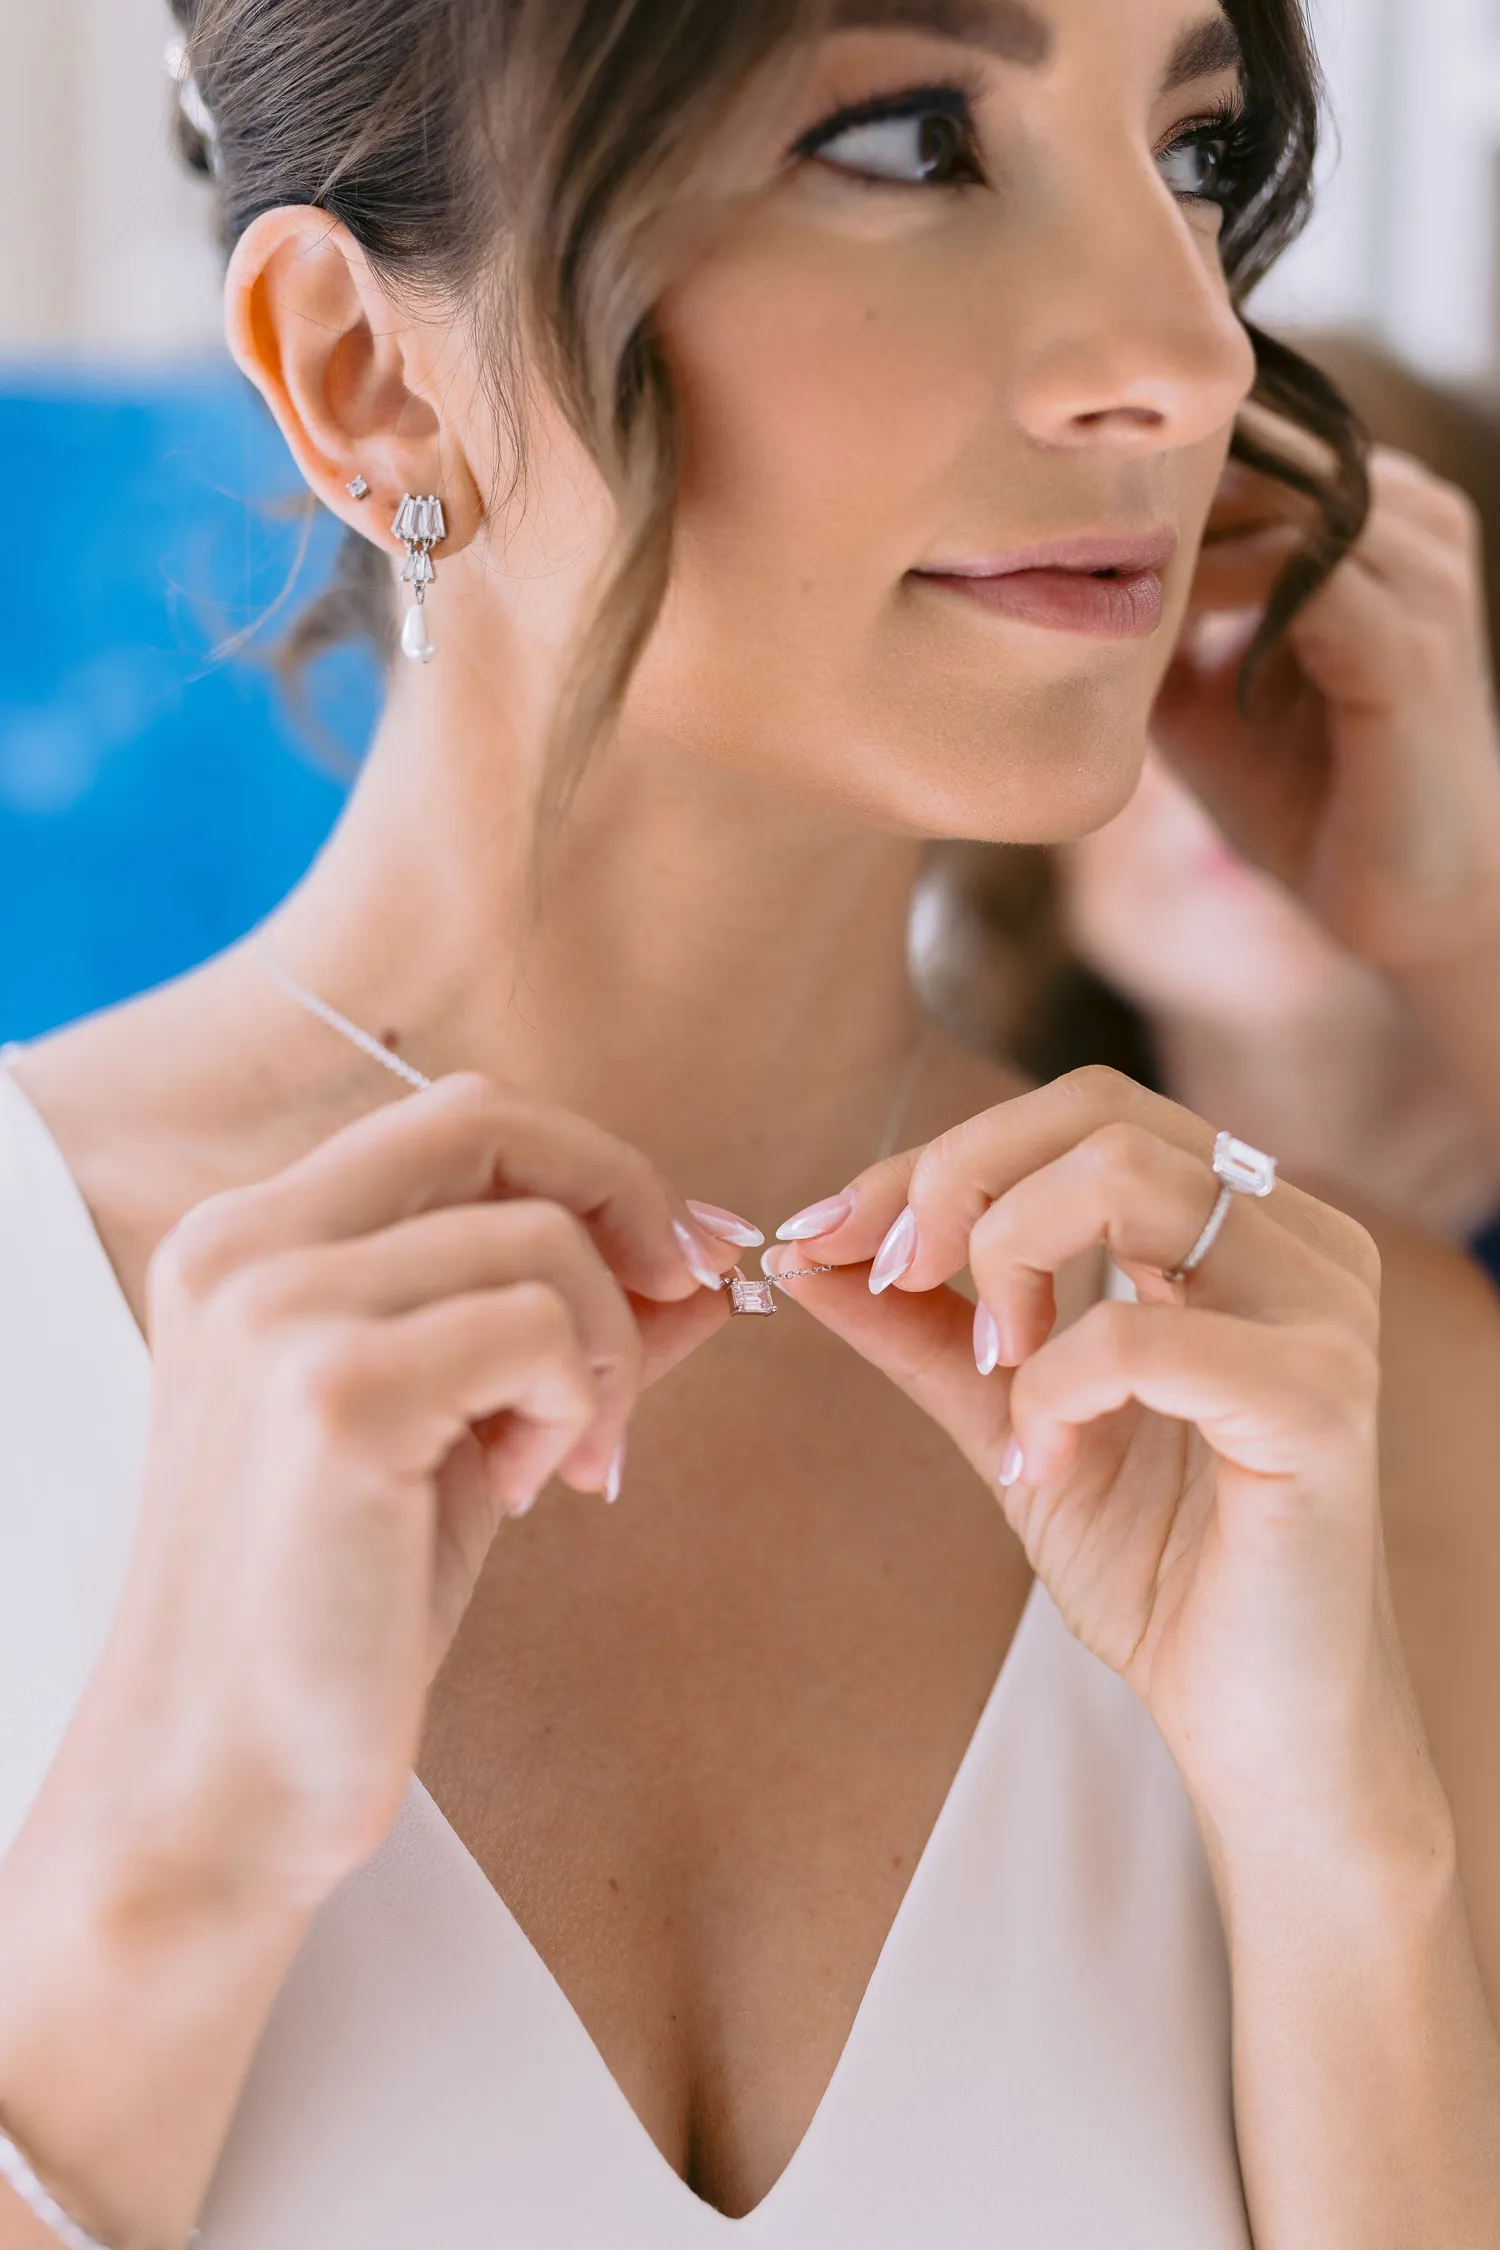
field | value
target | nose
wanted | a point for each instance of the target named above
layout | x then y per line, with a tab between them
1133	344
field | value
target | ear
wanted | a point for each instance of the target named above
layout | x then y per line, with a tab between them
347	376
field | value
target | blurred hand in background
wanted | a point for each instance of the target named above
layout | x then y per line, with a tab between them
1259	1018
1366	775
1338	853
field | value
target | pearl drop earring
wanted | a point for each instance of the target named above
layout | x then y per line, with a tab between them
420	525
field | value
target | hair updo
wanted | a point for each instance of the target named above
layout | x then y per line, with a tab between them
531	156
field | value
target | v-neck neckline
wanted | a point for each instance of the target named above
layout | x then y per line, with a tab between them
443	1840
926	1878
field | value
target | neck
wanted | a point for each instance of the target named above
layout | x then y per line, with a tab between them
709	970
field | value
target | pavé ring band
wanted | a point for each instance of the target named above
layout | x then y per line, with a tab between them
1240	1170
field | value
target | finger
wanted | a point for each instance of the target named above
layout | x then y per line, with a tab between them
1295	1402
921	1207
923	1344
466	1141
1371	642
1239	572
1147	1203
467	1362
1402	485
460	1251
1419	564
1247	500
671	1333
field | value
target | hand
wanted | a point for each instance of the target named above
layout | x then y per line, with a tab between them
362	1365
1193	1476
1370	782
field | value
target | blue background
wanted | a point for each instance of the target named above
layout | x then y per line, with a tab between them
156	795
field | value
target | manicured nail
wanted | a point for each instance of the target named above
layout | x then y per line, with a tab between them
726	1226
525	1504
1011	1464
897	1254
693	1257
986	1340
818	1218
616	1477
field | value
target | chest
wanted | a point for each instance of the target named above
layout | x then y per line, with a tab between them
698	1742
1040	2055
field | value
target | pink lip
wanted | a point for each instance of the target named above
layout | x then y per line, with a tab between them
1058	585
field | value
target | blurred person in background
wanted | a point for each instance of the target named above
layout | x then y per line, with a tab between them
1162	948
1252	1012
1014	1766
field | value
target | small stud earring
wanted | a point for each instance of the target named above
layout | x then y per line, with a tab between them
358	489
420	525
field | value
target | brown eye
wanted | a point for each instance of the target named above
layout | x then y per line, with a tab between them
944	147
930	145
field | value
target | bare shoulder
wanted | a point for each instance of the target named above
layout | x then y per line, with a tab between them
1440	1476
108	1094
159	1102
96	1084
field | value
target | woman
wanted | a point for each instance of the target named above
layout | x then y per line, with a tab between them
807	1840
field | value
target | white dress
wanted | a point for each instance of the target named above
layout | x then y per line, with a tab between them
1040	2061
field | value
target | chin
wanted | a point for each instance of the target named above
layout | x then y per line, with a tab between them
920	752
1044	767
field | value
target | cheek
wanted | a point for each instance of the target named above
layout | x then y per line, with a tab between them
843	414
825	389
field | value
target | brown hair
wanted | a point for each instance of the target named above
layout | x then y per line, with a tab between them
564	135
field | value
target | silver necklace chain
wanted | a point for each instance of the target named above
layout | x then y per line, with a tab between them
314	1005
346	1028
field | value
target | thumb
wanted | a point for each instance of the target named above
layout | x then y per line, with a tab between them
923	1340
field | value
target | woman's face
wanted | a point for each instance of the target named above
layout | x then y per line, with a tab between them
976	311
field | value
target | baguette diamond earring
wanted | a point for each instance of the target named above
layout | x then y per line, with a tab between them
420	525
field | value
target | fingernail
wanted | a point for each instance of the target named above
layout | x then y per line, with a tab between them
1012	1463
768	1265
818	1218
693	1257
896	1254
525	1504
616	1477
726	1226
986	1340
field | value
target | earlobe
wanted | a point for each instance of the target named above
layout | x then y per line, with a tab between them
309	323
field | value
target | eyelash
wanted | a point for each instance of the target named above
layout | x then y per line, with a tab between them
952	98
1227	122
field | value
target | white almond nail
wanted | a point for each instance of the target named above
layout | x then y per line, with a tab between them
896	1255
693	1257
726	1226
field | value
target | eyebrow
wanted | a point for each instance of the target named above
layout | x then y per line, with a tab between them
1018	34
1209	48
1007	28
